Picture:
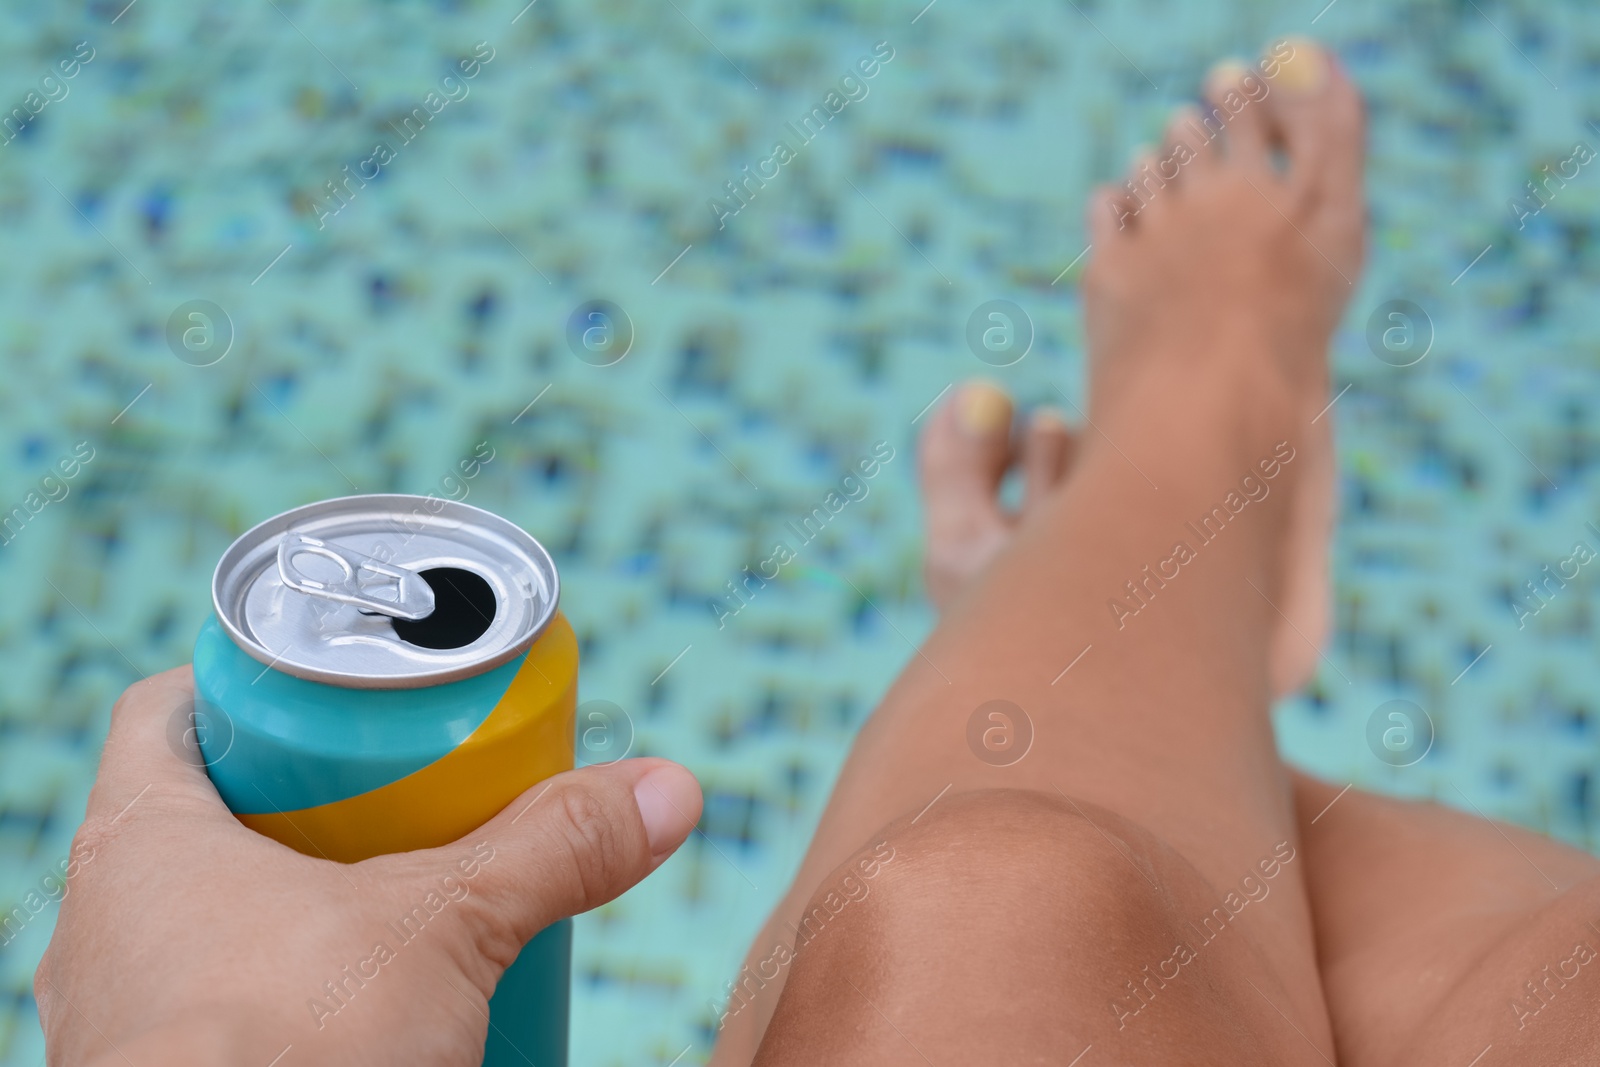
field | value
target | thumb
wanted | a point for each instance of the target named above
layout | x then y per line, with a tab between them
576	841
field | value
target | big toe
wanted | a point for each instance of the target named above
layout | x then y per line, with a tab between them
965	452
1319	122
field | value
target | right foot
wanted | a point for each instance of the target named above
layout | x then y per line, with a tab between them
1231	248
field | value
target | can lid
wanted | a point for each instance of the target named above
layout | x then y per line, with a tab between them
385	591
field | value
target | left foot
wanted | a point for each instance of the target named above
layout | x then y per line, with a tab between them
966	450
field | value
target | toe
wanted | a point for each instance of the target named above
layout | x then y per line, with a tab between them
1145	182
964	455
1236	95
965	451
1316	115
1047	449
1110	215
1187	145
1150	174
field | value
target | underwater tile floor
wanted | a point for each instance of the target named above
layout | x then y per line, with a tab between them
375	336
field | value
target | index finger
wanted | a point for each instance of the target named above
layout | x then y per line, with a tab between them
151	747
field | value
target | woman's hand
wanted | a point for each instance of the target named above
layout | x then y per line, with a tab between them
185	937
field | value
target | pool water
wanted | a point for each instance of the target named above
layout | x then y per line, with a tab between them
373	317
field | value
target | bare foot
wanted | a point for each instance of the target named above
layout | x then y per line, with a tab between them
966	450
1232	247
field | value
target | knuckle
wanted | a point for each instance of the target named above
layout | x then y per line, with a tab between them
125	701
92	838
42	992
159	691
597	849
45	996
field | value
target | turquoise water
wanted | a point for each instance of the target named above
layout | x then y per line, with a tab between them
373	347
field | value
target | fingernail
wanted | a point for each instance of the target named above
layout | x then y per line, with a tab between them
669	803
983	408
1306	70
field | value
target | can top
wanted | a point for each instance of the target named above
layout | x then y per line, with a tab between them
385	591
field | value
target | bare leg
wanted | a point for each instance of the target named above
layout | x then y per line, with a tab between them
1431	922
1000	929
1153	763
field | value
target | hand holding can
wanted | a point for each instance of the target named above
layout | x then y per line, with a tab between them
183	937
387	689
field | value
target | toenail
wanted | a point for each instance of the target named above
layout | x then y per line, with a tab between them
1049	419
1227	75
983	408
1305	70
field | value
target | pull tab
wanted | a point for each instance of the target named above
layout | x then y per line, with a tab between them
402	594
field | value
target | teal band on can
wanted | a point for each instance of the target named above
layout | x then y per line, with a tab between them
528	1014
276	748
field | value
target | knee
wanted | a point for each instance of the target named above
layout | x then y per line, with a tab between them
1030	903
1003	870
1046	848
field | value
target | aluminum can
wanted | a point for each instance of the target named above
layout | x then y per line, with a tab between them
386	673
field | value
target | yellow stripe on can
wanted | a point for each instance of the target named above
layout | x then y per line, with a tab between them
527	738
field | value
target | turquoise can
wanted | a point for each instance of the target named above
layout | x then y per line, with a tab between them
386	673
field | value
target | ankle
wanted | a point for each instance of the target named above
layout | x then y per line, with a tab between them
1233	402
